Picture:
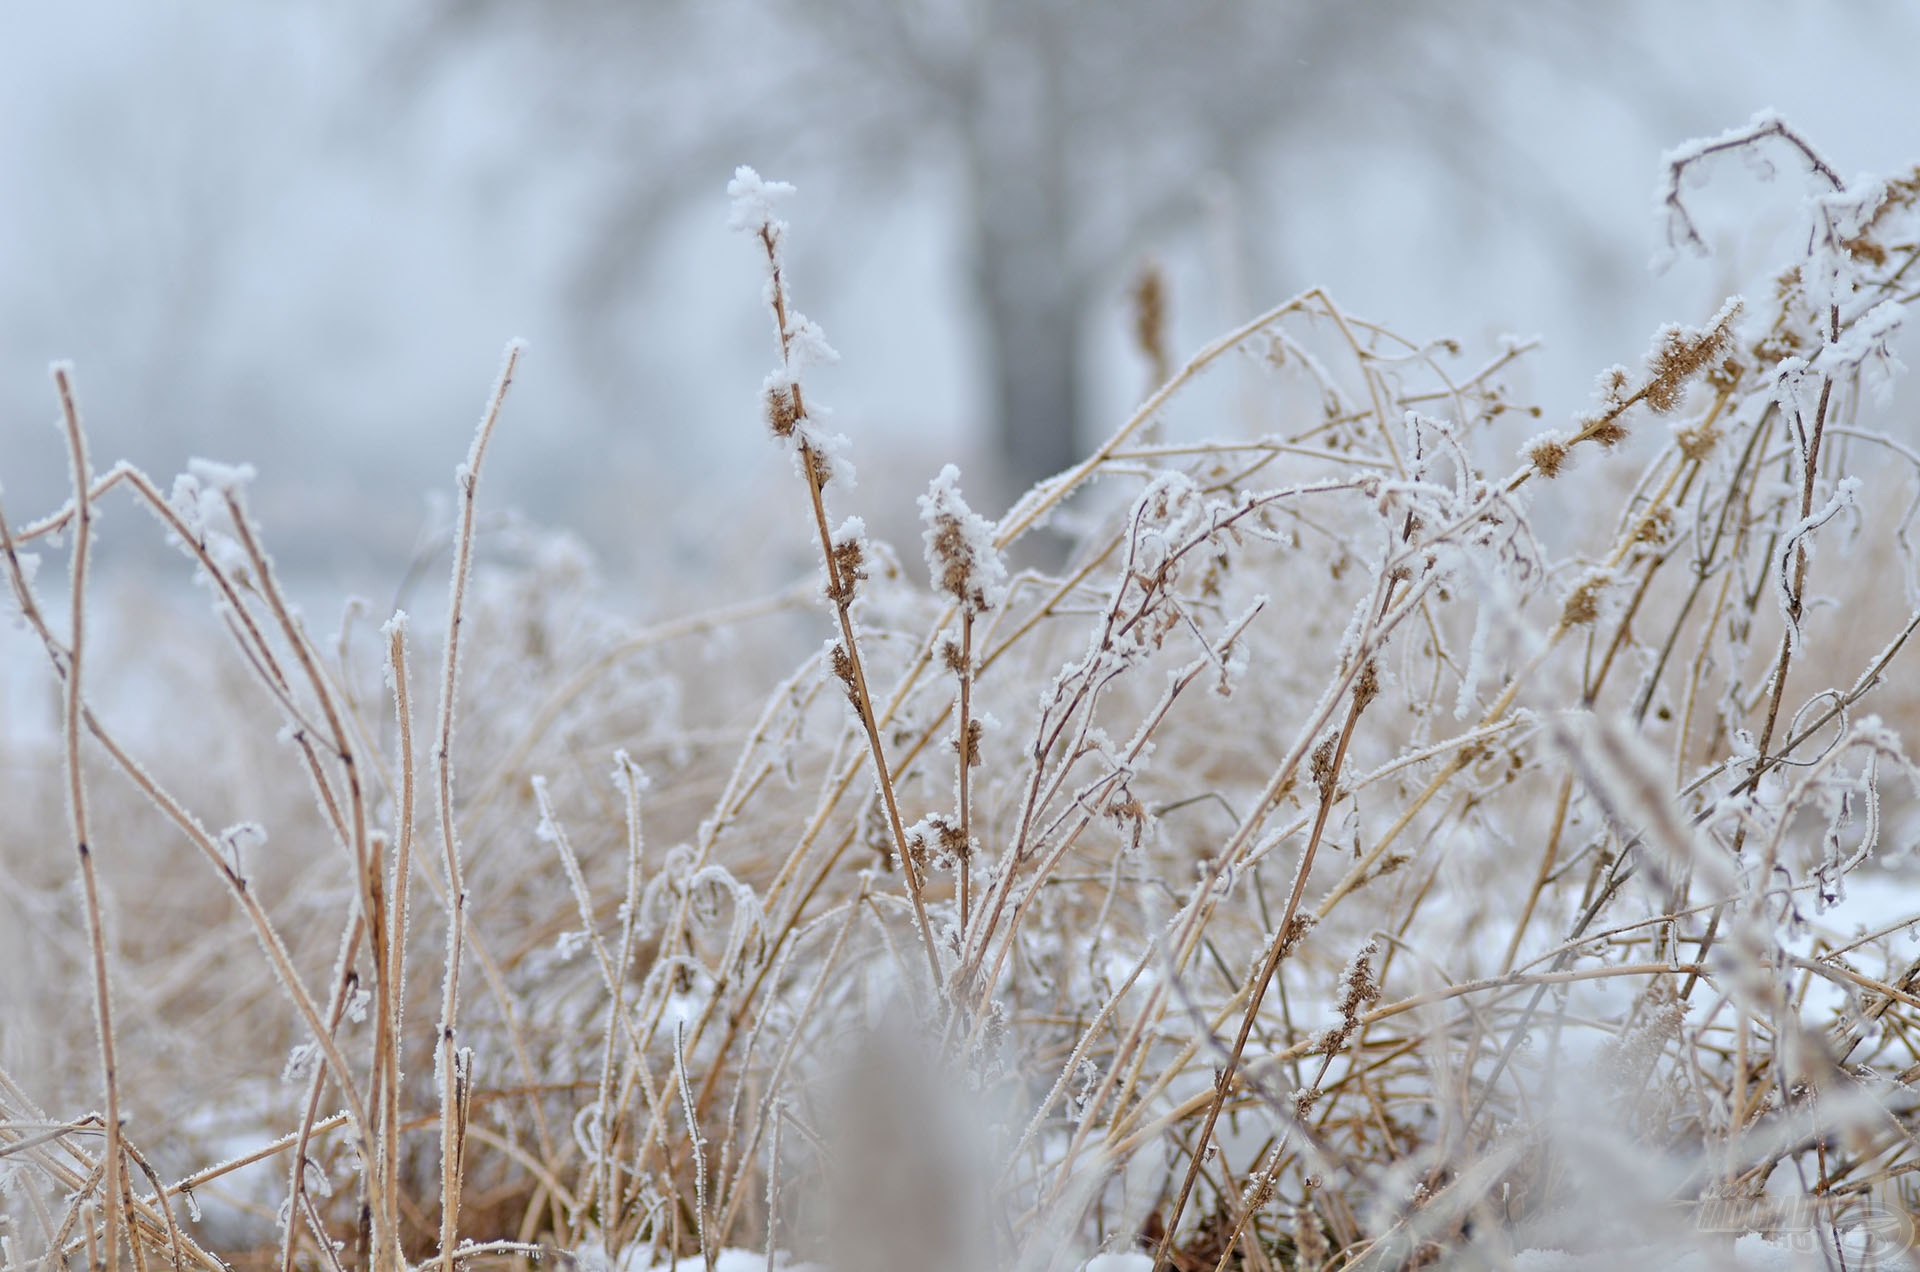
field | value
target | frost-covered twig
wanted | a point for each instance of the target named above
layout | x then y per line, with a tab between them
818	458
451	1065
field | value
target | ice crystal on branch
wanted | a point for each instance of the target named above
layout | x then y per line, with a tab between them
754	198
818	456
961	557
1681	353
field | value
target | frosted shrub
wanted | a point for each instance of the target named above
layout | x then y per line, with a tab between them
1321	868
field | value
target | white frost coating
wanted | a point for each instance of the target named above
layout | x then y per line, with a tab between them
240	839
754	198
1678	164
587	1133
1846	494
830	449
961	558
225	479
926	839
802	343
806	344
301	1059
1130	1261
1790	389
211	485
851	538
592	1257
1689	151
185	500
395	626
1840	219
228	555
624	766
1868	346
467	471
1548	442
545	830
1234	656
1468	696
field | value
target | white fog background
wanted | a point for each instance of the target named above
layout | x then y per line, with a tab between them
299	235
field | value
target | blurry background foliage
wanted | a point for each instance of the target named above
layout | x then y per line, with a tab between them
297	234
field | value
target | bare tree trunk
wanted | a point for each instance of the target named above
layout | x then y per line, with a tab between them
1030	296
1032	312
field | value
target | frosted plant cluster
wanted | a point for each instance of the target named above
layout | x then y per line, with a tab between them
1361	851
